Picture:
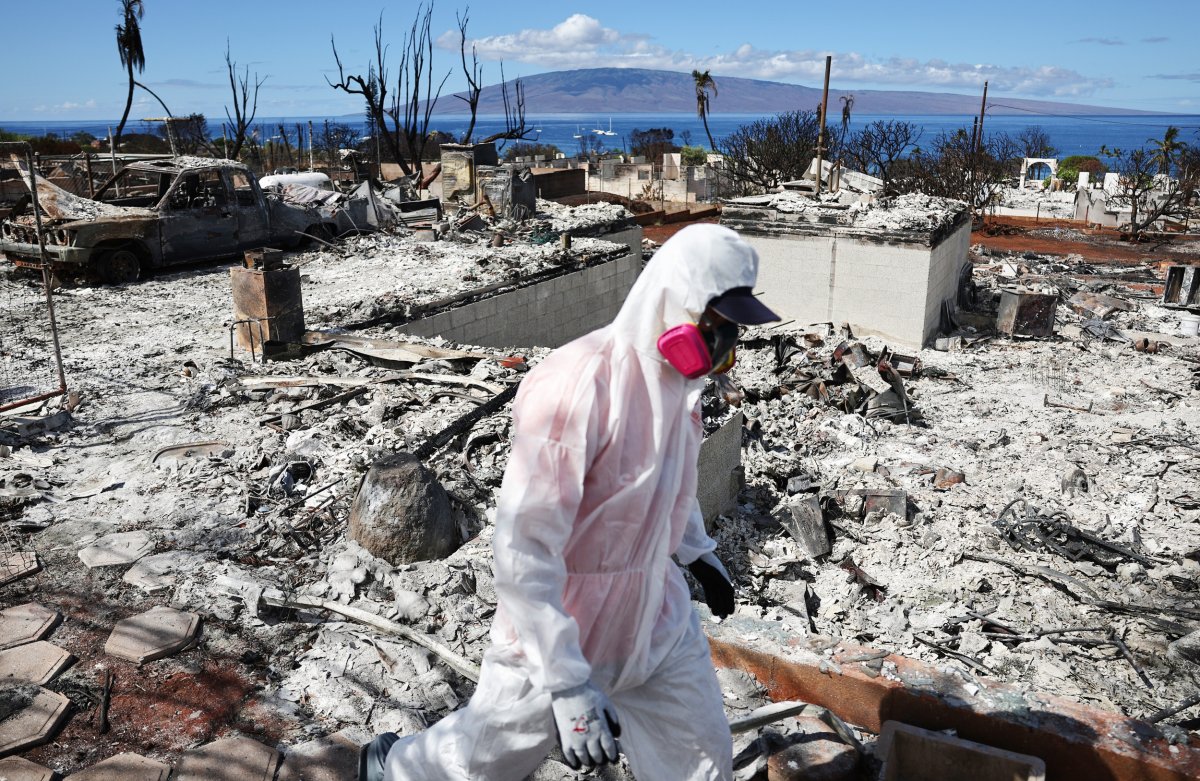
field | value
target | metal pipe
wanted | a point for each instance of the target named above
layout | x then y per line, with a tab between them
310	146
37	221
31	400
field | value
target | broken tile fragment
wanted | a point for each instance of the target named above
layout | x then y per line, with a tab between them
23	624
38	662
18	769
331	758
124	767
157	633
114	550
228	759
14	566
34	723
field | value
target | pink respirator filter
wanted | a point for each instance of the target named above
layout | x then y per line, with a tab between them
684	348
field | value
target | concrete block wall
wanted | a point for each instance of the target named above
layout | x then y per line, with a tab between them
881	289
794	275
889	289
559	182
945	264
548	314
878	289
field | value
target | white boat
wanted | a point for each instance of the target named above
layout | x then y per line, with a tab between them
610	131
577	133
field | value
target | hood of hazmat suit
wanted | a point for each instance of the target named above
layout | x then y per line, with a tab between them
600	488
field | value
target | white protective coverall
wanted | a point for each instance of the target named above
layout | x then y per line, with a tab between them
599	492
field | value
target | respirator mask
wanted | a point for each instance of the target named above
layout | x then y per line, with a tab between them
696	351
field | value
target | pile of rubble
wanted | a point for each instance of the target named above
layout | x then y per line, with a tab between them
407	275
1031	516
911	212
1037	202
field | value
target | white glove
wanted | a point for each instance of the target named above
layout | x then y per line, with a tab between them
587	726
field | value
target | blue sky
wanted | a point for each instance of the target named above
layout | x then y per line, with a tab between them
1121	54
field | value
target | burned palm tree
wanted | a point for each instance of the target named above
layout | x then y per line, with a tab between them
1166	148
129	47
847	107
704	82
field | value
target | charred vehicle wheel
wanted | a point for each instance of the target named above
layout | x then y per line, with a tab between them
118	266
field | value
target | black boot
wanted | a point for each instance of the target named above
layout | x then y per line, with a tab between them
372	755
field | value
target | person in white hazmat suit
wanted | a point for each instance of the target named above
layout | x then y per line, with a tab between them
595	638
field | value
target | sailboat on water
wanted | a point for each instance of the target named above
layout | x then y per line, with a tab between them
602	132
577	133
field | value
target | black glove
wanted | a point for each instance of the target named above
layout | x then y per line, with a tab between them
718	590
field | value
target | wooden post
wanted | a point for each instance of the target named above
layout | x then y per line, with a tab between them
982	111
821	132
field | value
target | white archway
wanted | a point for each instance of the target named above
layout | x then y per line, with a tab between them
1032	162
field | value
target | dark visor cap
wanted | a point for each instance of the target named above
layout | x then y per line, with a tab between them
739	305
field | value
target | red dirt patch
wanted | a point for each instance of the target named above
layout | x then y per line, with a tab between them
159	709
1101	245
661	233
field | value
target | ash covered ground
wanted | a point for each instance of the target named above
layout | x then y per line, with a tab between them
265	505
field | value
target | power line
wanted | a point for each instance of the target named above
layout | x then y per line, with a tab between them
1090	119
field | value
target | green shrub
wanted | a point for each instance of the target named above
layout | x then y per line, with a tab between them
1069	168
694	155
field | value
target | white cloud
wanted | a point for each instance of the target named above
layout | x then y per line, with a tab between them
65	106
578	33
581	41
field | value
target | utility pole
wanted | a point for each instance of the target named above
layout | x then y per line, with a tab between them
821	132
982	110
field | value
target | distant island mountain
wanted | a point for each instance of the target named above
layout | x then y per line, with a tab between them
641	91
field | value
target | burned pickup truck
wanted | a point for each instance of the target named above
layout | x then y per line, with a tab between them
153	214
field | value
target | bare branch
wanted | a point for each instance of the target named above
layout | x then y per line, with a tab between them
473	73
245	105
876	148
514	112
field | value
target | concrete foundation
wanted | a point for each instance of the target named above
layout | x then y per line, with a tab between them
891	283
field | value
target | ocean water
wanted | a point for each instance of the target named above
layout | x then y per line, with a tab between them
1071	135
